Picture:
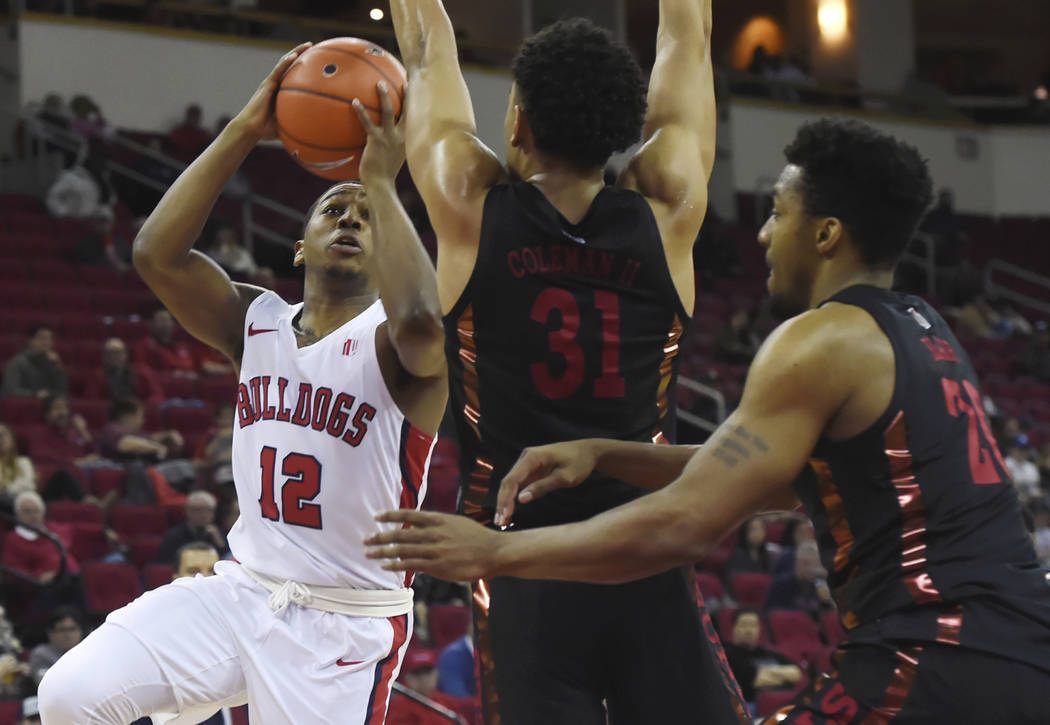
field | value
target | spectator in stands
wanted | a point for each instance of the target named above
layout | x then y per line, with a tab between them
162	351
1043	461
1020	462
755	667
228	253
216	460
14	673
797	531
1036	358
751	554
189	138
1039	514
419	674
199	525
123	439
64	632
456	666
53	112
16	472
88	122
119	379
66	439
37	370
805	589
196	557
737	343
83	191
27	551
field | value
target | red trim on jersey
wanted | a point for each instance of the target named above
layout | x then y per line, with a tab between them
899	689
414	449
667	364
949	627
839	526
380	698
913	514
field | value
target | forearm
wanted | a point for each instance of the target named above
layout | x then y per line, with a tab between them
423	30
647	536
168	236
644	465
134	445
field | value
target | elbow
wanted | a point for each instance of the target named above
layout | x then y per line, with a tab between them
141	256
419	340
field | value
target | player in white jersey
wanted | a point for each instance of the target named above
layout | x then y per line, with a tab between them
337	407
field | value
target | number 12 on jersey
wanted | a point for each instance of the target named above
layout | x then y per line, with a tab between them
565	341
302	484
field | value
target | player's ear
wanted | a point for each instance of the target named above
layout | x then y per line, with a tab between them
297	258
520	127
829	235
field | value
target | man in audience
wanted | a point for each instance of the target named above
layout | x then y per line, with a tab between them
29	552
37	370
755	667
196	557
456	666
199	525
66	439
119	379
162	352
189	138
123	439
805	588
63	634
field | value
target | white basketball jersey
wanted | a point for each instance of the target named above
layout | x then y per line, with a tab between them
319	448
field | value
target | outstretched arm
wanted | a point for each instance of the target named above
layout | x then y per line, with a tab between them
403	271
197	291
792	392
451	167
674	164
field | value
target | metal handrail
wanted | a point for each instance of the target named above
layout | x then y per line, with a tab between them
996	290
707	391
38	131
429	704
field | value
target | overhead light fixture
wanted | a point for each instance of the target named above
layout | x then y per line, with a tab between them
833	19
376	14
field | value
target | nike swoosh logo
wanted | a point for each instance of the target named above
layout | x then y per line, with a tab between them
252	331
344	663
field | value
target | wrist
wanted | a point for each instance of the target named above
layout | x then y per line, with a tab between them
378	182
240	131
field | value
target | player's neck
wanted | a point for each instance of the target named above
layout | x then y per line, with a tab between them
328	306
569	189
837	278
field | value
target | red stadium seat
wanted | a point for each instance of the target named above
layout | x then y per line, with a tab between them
831	627
709	586
751	589
89	542
155	575
134	521
218	390
20	410
715	562
188	419
9	711
110	586
75	512
769	702
143	549
788	625
104	480
448	622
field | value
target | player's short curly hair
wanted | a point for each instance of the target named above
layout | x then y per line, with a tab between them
581	91
877	186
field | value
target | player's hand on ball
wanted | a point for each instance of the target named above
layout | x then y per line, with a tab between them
257	117
385	150
453	548
538	471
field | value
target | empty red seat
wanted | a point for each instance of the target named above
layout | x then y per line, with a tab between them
448	622
9	711
94	410
709	586
104	480
134	521
771	701
156	575
89	542
143	549
75	512
831	627
20	410
189	420
715	562
217	390
751	589
786	625
110	586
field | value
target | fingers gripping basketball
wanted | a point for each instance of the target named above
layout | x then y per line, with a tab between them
316	121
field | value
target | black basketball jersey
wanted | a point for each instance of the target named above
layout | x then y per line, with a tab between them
564	331
918	523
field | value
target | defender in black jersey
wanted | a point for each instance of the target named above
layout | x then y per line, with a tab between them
868	410
565	302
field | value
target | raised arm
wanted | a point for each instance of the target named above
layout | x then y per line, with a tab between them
404	273
673	165
796	386
451	167
197	291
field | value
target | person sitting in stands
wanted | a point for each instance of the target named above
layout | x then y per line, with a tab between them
37	370
119	379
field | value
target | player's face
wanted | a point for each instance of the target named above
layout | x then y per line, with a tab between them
789	237
338	237
197	562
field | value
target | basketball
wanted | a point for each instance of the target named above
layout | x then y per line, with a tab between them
315	119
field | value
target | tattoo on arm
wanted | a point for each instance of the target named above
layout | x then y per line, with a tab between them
738	445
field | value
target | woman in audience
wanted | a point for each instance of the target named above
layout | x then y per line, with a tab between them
16	472
751	555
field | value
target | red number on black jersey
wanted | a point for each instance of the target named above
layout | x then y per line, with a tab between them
965	400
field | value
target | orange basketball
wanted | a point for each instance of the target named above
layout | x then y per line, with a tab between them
315	119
